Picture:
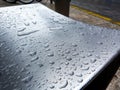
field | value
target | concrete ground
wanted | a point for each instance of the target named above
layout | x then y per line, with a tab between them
86	18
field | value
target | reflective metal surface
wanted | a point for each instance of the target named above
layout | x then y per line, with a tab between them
43	50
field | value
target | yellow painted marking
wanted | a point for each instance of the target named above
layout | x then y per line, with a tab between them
96	15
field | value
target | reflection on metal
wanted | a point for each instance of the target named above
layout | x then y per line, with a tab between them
43	50
107	8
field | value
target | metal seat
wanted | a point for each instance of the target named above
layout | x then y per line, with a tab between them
44	50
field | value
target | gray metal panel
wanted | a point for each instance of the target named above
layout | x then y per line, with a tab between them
43	50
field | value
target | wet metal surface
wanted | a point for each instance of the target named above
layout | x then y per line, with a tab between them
43	50
109	8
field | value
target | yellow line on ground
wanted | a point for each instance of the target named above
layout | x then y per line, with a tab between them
96	14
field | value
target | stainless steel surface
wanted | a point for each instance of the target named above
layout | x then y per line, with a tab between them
43	50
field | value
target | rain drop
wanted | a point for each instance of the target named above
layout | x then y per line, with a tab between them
68	58
40	65
58	68
74	45
52	86
71	73
93	60
80	80
50	55
63	84
27	79
32	53
27	24
79	75
34	59
51	62
21	29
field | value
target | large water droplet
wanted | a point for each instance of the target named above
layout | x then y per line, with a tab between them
24	33
63	84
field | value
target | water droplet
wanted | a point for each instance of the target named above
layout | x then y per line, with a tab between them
67	51
23	69
80	80
34	59
74	45
40	65
71	73
34	22
21	29
27	79
58	68
51	62
32	53
50	55
28	65
12	65
85	62
79	75
68	58
23	44
93	60
26	33
47	49
83	57
89	54
52	86
55	81
85	68
27	23
63	84
100	43
56	28
66	63
1	44
75	54
18	51
113	43
46	46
